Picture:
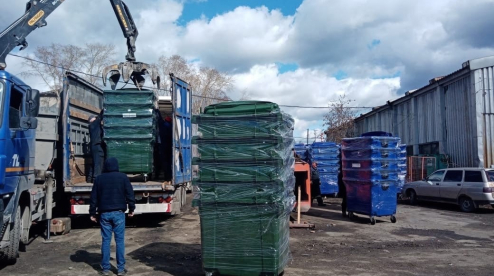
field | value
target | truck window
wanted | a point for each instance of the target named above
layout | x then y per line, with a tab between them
453	176
15	109
473	176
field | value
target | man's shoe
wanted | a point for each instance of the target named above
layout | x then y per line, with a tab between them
122	273
104	273
321	204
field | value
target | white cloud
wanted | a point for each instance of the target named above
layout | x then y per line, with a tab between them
418	40
311	87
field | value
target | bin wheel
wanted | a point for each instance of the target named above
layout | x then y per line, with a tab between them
393	219
372	220
351	216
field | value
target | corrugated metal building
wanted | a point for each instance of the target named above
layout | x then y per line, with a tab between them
452	115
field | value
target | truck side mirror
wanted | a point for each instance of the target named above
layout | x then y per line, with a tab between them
33	102
29	122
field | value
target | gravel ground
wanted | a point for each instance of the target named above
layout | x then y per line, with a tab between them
428	239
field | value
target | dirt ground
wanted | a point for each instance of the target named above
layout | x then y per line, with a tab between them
429	239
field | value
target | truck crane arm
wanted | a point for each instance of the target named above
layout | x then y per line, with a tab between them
34	17
127	25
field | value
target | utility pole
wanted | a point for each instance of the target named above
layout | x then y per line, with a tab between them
307	136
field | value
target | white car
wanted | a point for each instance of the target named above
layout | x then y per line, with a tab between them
467	187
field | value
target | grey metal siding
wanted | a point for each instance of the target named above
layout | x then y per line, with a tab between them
428	120
459	121
482	80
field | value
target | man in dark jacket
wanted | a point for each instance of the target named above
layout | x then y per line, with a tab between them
111	194
95	136
315	185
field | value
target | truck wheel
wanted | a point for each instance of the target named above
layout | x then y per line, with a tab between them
11	252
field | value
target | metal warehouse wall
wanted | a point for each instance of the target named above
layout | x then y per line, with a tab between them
457	111
482	80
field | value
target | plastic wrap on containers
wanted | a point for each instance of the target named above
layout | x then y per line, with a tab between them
129	128
371	153
142	118
244	187
369	143
247	149
402	165
265	171
326	155
134	156
325	149
373	198
245	239
301	150
276	124
129	96
329	183
370	167
252	193
391	164
370	174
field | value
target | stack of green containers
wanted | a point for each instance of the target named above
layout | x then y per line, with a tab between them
245	187
129	126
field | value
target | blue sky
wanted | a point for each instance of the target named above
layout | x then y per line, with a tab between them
292	52
194	9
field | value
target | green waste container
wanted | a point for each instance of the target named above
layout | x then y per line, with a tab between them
129	128
245	240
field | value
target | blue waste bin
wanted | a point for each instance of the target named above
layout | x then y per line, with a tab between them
371	171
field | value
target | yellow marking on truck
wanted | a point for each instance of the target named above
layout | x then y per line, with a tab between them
122	17
18	169
36	18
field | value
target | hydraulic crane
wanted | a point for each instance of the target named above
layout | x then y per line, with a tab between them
22	200
35	17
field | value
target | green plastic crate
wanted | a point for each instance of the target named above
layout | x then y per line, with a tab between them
135	156
126	132
276	125
265	171
245	240
249	193
243	149
129	96
241	108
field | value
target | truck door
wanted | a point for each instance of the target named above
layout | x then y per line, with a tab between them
182	131
20	146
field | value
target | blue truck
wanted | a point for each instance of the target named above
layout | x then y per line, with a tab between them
44	139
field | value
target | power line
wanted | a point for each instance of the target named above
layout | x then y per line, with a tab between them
193	95
325	107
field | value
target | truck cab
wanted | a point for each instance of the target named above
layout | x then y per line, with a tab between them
19	105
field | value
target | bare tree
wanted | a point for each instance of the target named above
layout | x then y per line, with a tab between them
50	62
96	57
208	84
339	120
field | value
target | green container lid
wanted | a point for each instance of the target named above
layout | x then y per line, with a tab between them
241	108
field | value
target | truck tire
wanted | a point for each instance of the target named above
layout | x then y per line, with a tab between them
11	252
